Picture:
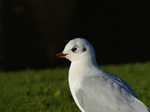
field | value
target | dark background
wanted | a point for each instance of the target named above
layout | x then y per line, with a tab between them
33	31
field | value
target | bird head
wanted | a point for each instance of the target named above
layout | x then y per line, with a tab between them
77	49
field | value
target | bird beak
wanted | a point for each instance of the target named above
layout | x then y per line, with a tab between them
59	55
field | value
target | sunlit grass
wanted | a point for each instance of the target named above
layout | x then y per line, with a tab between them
48	90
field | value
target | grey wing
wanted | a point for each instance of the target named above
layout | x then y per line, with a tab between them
101	94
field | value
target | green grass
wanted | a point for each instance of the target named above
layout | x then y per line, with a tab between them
48	91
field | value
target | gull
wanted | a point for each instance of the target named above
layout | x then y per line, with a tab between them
93	89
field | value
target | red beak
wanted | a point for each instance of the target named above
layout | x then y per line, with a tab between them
59	55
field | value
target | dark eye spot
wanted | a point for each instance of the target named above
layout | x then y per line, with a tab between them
84	49
74	49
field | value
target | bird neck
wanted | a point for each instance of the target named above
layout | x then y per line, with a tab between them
80	69
83	64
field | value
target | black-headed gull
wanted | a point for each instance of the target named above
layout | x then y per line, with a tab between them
93	89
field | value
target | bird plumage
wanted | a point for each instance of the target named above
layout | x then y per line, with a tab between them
93	89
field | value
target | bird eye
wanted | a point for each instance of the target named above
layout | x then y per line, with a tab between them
74	49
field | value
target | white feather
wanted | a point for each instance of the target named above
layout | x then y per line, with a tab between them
93	89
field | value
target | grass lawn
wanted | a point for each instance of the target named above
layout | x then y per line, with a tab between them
48	91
